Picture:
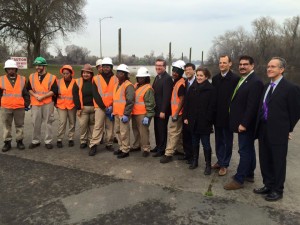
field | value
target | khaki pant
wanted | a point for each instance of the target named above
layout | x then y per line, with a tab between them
102	123
87	122
174	135
66	115
42	114
8	116
140	133
123	133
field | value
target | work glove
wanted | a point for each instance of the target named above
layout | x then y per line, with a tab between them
174	118
111	117
108	110
27	108
124	119
145	121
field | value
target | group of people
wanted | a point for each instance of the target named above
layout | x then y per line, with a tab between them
186	108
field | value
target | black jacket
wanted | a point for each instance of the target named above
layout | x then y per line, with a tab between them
244	106
283	111
224	90
163	87
199	108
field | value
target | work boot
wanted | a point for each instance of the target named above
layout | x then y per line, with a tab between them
207	156
166	159
7	146
71	143
123	155
93	150
20	145
59	144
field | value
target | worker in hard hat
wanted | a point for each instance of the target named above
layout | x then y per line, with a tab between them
103	86
83	100
14	98
177	99
42	87
143	111
123	101
99	65
65	105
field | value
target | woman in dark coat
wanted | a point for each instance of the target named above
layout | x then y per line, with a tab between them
199	110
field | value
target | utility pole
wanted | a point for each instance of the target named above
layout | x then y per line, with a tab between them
100	20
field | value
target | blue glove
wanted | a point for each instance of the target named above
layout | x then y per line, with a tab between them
27	108
111	117
124	119
145	121
108	110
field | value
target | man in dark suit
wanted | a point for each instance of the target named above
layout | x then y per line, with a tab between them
186	134
225	83
243	112
278	115
162	86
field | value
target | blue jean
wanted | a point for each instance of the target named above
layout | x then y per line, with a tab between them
224	140
247	162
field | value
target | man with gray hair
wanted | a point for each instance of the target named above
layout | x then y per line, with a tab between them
279	112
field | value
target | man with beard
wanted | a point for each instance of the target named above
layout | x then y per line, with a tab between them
243	112
103	86
14	98
42	86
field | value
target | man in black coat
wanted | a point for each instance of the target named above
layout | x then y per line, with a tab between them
162	86
243	112
225	83
279	112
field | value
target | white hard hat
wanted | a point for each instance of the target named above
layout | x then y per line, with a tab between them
142	72
179	64
10	64
107	61
123	67
99	62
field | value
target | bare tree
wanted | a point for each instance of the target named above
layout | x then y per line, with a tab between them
35	21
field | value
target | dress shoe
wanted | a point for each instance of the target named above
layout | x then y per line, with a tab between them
166	159
183	157
145	154
233	185
154	150
109	147
20	145
158	154
189	161
93	150
222	171
7	146
207	170
178	153
59	144
123	155
249	179
262	191
83	145
273	196
138	149
118	152
49	146
216	166
194	164
71	143
32	146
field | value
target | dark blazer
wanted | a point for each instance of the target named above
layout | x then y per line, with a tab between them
224	90
244	106
163	87
283	111
199	108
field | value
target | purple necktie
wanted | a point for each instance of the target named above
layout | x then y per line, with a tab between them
266	101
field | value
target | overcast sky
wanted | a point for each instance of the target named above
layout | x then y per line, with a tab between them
151	24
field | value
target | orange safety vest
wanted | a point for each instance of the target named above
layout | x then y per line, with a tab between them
175	99
139	107
65	96
105	90
79	82
12	95
119	100
41	88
